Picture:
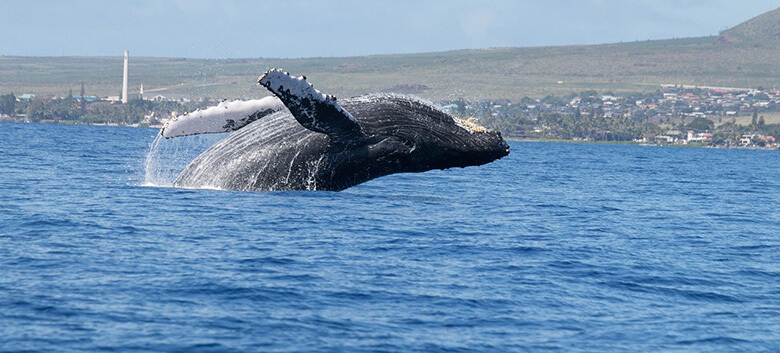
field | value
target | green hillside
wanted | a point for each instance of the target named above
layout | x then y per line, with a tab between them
493	73
765	27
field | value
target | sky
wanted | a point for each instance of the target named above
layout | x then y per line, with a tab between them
312	28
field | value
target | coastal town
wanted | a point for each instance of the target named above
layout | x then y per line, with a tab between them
671	115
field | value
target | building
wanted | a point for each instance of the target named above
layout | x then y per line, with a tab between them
700	137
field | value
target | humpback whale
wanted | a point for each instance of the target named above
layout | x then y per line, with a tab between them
302	139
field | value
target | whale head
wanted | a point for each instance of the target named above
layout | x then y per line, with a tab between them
411	135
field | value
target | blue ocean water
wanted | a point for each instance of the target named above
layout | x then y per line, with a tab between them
557	247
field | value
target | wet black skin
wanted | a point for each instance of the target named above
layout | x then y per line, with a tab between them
392	134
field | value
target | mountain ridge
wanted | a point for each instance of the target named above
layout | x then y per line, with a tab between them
745	60
764	27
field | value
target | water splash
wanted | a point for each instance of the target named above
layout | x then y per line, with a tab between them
167	158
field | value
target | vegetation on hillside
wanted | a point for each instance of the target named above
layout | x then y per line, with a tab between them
762	28
509	73
744	56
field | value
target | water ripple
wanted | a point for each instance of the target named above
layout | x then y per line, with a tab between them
574	248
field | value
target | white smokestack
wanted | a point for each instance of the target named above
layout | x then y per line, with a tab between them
124	80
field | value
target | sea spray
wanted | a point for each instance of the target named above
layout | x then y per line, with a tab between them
166	158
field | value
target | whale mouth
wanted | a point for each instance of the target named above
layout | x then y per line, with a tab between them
496	147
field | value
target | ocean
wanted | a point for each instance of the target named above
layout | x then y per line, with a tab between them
557	247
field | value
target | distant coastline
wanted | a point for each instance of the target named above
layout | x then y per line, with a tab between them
633	143
515	139
672	115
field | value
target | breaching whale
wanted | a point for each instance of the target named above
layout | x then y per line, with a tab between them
301	139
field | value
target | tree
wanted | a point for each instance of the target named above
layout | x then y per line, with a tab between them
754	121
36	110
761	97
701	124
761	121
7	103
553	100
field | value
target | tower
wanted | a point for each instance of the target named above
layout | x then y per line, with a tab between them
124	80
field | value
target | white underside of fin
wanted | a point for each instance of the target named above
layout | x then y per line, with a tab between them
225	117
277	80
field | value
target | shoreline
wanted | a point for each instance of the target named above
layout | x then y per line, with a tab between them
516	139
73	122
634	143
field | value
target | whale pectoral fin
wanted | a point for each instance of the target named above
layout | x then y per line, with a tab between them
314	110
225	117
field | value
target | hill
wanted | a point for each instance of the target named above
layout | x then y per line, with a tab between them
762	28
494	73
